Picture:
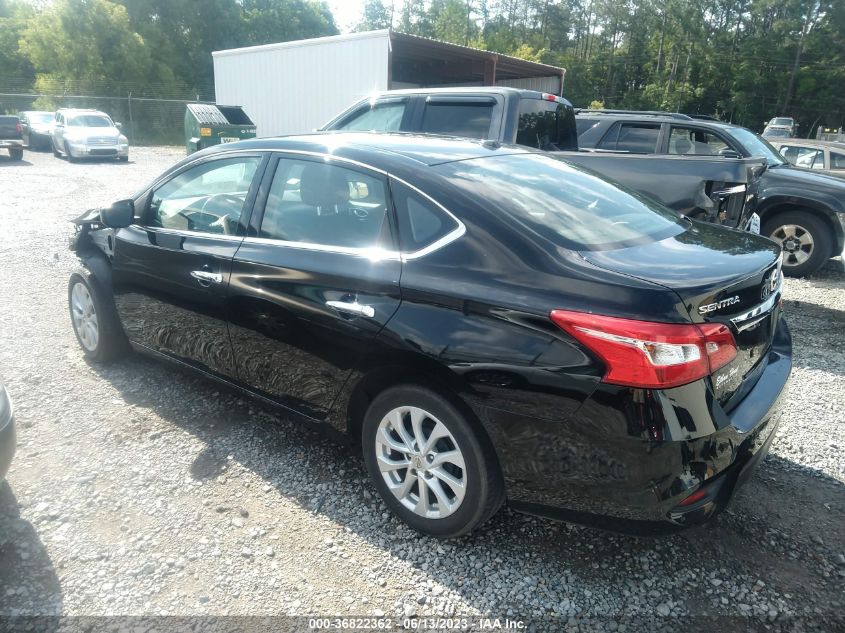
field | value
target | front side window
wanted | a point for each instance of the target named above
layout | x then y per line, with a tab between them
560	202
806	157
635	138
467	118
208	198
326	205
381	116
694	142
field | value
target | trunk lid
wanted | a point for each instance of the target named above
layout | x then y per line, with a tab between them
721	276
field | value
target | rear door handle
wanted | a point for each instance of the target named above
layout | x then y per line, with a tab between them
353	308
206	278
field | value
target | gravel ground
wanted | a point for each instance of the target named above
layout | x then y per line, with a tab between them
140	490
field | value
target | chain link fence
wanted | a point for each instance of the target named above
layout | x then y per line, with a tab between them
146	121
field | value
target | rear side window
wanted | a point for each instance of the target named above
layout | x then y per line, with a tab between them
381	116
326	205
421	222
546	125
549	198
837	161
468	118
636	138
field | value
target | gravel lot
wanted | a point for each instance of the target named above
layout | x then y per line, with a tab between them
140	490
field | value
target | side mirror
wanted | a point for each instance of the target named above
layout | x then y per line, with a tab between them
118	125
729	153
118	215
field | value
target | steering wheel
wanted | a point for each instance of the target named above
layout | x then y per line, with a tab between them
229	198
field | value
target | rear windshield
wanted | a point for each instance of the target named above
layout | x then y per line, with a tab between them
546	125
563	203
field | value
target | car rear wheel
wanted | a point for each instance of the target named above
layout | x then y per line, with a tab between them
16	154
94	320
430	465
805	240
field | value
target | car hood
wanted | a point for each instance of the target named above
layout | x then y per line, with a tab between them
791	176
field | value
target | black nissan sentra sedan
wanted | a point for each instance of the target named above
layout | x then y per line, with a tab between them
491	323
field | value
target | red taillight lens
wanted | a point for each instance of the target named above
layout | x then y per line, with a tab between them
698	495
18	127
650	355
549	97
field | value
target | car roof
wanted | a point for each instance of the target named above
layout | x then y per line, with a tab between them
812	142
380	148
80	111
493	90
656	118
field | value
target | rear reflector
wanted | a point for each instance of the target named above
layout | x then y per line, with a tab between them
650	355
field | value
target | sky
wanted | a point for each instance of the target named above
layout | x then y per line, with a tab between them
347	13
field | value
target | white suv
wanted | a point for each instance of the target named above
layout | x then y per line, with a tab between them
88	134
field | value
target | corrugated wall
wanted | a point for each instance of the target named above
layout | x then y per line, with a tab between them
540	84
295	87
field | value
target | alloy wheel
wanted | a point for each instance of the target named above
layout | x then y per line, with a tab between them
84	315
421	462
797	242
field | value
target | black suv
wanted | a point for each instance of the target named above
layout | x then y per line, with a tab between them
802	210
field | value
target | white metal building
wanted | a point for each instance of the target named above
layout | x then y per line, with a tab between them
296	87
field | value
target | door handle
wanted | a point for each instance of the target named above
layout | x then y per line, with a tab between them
206	278
352	308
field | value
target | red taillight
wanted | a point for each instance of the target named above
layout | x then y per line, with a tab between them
698	495
18	128
650	355
549	97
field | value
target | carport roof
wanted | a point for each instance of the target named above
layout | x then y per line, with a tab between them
405	45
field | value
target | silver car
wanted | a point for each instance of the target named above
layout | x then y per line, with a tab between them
88	134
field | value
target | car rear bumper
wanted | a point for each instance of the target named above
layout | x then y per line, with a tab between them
630	458
8	437
11	143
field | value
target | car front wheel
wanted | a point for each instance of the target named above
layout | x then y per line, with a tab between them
805	240
95	321
433	468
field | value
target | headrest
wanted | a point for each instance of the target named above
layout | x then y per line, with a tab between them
323	186
682	146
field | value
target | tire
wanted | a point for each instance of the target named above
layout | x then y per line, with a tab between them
123	159
449	514
101	339
16	153
805	238
55	151
68	154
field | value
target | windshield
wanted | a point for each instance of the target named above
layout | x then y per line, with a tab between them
774	133
782	122
90	120
756	146
562	203
41	117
